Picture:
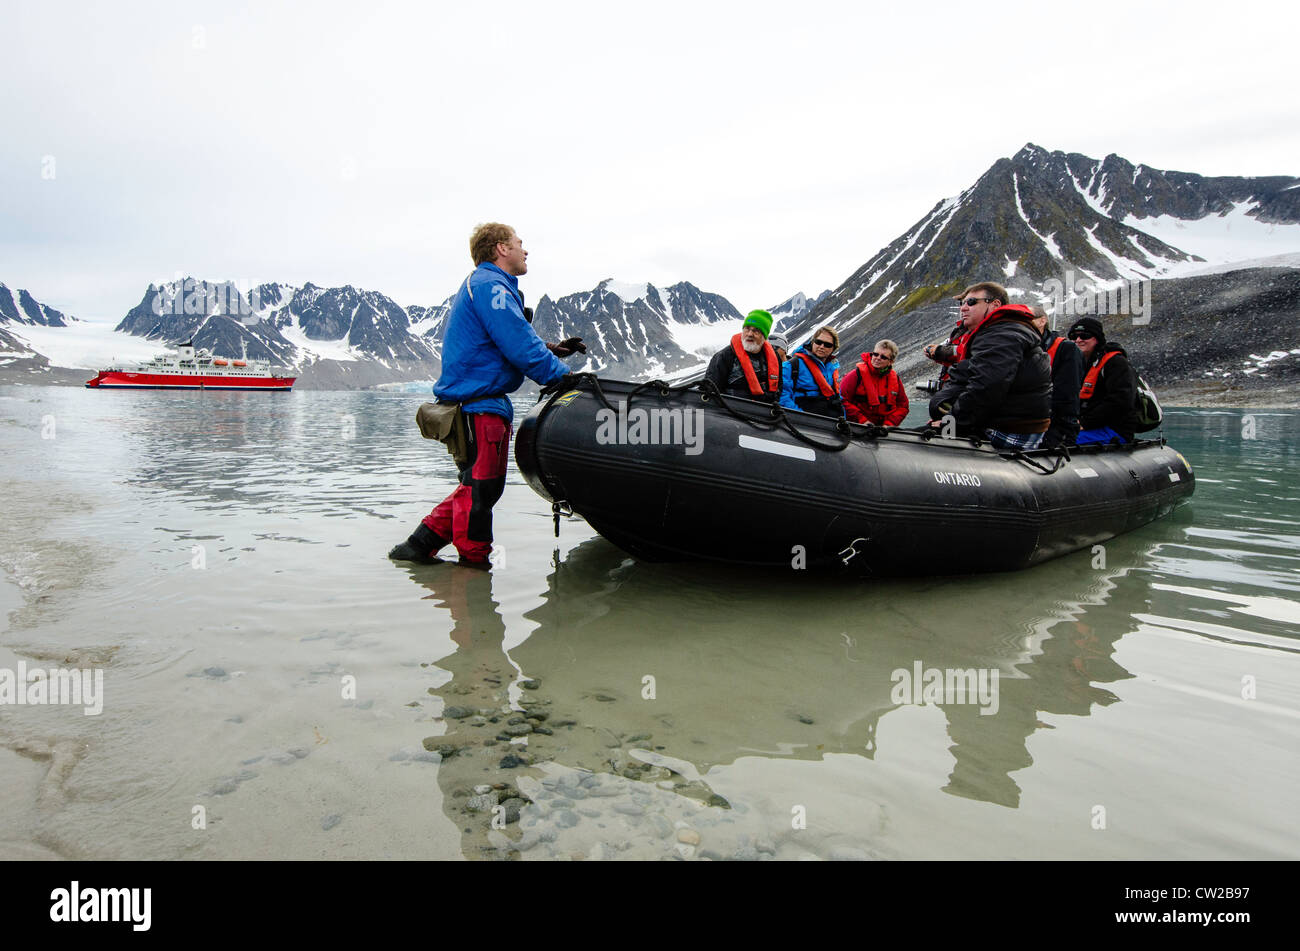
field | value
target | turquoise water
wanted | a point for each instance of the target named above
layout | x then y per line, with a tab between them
274	687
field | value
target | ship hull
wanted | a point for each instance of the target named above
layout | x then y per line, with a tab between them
121	380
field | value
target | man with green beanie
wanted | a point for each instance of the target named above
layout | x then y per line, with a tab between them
748	368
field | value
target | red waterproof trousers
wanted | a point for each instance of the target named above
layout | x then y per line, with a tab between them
465	516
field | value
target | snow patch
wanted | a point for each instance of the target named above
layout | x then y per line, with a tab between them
320	349
1273	260
1097	204
85	345
1234	236
631	293
948	209
1273	357
703	339
1047	239
1125	266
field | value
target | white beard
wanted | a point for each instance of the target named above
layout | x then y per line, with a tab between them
748	347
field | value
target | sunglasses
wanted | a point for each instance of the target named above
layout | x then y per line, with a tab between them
1075	335
883	356
972	301
823	343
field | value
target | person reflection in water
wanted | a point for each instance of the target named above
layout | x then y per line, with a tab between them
479	762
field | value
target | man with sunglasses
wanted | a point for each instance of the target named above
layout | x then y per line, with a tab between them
1001	387
872	391
1108	397
811	380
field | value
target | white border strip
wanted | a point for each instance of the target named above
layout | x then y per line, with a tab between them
778	448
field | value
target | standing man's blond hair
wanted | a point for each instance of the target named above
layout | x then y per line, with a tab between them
483	242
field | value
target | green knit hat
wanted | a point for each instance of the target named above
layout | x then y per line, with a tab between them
760	320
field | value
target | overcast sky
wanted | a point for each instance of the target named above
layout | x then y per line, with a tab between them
753	149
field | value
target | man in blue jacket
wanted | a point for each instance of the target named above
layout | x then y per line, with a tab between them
488	348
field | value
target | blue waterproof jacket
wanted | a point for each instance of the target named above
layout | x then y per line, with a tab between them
488	347
798	382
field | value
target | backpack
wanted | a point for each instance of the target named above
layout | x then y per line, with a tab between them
1149	413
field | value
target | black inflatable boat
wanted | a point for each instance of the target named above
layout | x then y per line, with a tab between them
680	473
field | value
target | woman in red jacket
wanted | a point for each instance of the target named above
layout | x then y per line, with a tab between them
872	391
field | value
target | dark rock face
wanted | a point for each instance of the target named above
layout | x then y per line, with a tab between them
218	317
1144	192
428	323
11	344
1037	215
1233	331
22	308
367	321
1236	331
634	336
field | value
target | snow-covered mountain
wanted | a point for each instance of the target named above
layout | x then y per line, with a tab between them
23	308
346	337
23	318
1031	219
789	314
1042	215
641	329
328	335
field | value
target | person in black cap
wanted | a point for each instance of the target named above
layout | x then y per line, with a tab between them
1108	397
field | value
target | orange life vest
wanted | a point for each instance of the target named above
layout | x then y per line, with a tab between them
1090	380
889	389
826	389
1051	351
747	367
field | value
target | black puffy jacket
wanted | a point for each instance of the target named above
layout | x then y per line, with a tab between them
1067	377
726	373
1114	399
1004	383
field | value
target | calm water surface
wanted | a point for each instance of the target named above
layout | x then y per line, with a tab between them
274	687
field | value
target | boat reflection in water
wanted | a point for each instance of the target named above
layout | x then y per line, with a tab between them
647	677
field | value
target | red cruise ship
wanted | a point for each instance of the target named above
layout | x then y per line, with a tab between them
190	369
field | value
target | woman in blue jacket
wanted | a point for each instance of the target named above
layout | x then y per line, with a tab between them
810	381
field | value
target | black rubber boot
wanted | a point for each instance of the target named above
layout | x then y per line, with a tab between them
420	547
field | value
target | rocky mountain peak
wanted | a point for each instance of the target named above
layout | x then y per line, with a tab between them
22	308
